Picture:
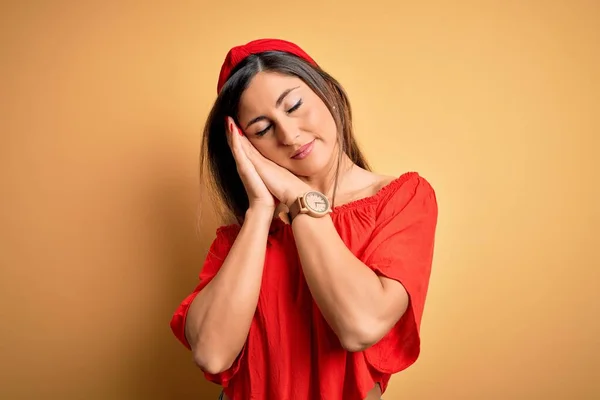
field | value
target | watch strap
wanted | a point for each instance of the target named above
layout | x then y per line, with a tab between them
295	208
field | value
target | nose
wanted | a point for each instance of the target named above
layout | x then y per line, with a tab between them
287	133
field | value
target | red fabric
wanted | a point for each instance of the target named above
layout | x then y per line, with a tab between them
238	53
291	352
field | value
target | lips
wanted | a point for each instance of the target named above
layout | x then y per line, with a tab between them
303	151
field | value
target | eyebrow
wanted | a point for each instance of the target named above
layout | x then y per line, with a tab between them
277	104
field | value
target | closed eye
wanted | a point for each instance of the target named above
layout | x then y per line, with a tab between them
295	107
291	110
261	133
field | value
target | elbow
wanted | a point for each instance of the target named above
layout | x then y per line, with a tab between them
211	364
207	357
358	340
355	346
364	332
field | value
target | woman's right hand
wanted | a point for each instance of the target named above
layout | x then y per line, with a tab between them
258	194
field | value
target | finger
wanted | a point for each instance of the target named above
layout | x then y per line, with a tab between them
231	136
251	151
254	155
239	154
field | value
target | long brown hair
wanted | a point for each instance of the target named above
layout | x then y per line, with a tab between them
216	158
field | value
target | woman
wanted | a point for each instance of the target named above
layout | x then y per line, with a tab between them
318	291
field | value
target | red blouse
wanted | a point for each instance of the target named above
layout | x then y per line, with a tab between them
291	352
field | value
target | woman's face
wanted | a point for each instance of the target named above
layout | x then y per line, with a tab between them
288	123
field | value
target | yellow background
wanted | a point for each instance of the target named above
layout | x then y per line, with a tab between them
496	103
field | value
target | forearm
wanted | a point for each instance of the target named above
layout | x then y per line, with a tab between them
351	297
219	318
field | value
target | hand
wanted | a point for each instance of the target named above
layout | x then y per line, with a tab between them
283	184
258	194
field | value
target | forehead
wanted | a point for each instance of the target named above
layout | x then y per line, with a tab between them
265	88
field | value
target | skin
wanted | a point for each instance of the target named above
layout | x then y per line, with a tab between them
278	115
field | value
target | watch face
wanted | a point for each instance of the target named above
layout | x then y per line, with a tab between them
316	201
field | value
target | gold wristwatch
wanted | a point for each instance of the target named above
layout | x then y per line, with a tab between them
313	203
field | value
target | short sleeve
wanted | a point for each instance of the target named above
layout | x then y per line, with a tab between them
218	251
401	248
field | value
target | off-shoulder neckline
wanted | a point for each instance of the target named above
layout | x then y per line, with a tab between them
374	198
352	205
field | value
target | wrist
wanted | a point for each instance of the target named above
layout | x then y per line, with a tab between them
294	194
260	212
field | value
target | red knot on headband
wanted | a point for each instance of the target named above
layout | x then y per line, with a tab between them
239	53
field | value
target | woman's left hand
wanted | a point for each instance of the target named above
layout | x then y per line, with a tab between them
282	184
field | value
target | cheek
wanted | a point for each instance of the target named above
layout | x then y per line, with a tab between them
321	123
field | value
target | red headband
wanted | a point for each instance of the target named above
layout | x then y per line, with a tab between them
239	53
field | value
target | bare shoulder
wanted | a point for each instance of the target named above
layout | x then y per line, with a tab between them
382	181
364	183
